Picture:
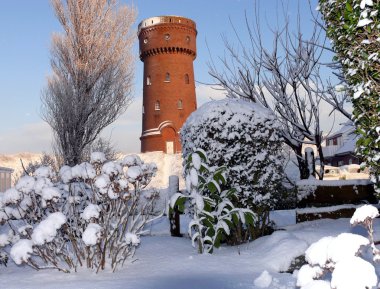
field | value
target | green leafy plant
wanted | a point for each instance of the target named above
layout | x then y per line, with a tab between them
212	209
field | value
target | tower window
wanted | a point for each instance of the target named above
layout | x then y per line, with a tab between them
167	77
157	105
187	79
145	40
188	39
167	36
180	104
148	81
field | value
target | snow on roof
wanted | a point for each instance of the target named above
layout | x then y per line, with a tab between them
4	169
347	127
333	183
348	146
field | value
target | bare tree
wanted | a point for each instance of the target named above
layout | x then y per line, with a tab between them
286	79
92	75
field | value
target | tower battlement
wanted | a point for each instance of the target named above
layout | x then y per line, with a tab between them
171	19
167	34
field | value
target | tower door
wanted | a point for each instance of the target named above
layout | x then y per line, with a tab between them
170	147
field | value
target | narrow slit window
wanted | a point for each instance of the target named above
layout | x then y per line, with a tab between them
180	104
157	105
167	77
148	81
187	79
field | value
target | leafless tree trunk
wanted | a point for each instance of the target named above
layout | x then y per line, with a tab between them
286	79
92	75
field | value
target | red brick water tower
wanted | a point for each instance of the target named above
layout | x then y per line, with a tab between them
168	49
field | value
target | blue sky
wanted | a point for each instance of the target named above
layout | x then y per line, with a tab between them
25	30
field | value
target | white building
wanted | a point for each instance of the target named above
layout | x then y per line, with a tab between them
5	178
340	146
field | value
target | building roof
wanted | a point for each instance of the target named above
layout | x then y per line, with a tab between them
4	169
347	127
349	145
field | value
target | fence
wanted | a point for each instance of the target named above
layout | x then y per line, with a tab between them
5	178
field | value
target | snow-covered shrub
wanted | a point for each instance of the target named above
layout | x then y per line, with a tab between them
341	256
242	137
45	160
211	208
103	146
93	216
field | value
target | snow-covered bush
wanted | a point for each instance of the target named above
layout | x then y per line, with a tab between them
341	256
45	160
354	28
211	208
93	216
242	137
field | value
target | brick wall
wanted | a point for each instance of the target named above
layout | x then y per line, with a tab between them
168	49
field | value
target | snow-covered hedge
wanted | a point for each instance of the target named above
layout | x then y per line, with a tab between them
354	28
341	255
90	215
242	137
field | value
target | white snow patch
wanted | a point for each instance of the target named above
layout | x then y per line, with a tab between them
316	254
264	280
112	169
317	284
102	181
307	274
276	252
97	157
353	272
91	211
21	251
25	184
87	171
364	22
50	193
47	229
196	160
131	238
11	196
92	234
345	244
194	177
4	240
133	173
363	213
44	172
66	174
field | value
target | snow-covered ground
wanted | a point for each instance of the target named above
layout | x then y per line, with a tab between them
167	165
172	165
171	263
